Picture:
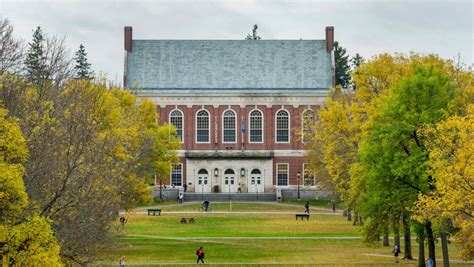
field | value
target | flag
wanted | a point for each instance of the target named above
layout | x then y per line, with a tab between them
243	125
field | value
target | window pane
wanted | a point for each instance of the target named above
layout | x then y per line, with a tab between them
256	126
282	174
229	127
282	126
177	174
308	176
176	119
202	127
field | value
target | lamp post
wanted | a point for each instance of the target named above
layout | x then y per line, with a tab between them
202	190
298	177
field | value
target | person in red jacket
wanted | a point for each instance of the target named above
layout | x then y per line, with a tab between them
200	255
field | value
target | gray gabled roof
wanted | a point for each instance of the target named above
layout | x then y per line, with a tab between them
229	64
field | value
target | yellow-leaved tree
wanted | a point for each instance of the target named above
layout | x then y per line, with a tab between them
25	239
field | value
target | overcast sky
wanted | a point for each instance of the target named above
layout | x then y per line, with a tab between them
367	27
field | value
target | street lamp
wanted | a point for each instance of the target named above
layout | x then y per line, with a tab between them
298	177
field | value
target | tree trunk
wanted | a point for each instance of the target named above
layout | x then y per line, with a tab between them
361	221
431	242
396	230
421	251
333	206
406	236
386	241
444	246
356	219
349	214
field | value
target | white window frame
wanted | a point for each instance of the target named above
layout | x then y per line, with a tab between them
208	128
182	122
263	127
302	123
171	173
235	126
287	174
289	127
314	176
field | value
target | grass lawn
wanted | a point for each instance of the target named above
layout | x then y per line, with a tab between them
248	238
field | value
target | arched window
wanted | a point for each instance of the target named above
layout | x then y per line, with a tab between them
202	171
229	171
176	119
308	119
282	126
202	126
229	127
255	126
255	171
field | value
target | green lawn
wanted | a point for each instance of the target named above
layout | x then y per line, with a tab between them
248	238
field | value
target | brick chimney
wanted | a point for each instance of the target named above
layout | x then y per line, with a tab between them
329	38
128	38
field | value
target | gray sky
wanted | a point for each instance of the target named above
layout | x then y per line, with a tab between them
367	27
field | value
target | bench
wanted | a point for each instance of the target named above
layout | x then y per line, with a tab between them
154	212
187	220
302	216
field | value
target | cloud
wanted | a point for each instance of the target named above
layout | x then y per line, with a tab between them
365	27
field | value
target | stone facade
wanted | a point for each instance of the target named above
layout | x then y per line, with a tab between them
234	77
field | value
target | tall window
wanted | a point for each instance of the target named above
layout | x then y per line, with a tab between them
202	126
176	119
308	175
229	131
308	119
282	126
177	174
255	126
282	174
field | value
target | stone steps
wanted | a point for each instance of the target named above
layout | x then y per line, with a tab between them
233	197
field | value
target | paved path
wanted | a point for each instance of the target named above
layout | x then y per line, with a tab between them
239	212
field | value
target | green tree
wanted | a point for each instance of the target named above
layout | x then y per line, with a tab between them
342	65
35	62
394	154
82	67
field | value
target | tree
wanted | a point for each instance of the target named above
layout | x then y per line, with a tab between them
254	35
394	154
342	65
36	58
25	239
82	68
357	60
11	49
451	152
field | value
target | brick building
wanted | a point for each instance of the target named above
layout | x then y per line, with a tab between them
240	106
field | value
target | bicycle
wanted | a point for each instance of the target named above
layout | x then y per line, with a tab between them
209	209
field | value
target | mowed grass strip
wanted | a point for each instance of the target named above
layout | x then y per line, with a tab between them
237	225
141	250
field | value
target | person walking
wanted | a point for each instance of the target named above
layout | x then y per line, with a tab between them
180	198
185	187
306	207
122	261
396	250
200	255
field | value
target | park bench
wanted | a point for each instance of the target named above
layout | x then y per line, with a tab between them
302	216
154	212
187	220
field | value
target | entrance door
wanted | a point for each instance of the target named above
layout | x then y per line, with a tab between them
256	181
203	185
229	183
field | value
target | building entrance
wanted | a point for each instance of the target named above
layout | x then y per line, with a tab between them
229	184
255	184
203	182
